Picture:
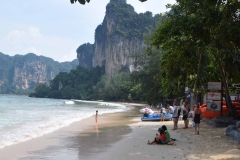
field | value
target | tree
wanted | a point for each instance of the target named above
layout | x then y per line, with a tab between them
41	90
115	88
84	1
202	29
80	1
147	78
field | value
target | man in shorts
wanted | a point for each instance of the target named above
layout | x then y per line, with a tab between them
175	116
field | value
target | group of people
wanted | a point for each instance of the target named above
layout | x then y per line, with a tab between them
162	138
176	111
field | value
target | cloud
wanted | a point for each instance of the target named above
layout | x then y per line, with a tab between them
19	35
34	32
69	55
31	50
15	35
30	40
55	28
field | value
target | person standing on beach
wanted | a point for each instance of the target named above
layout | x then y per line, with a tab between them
96	117
175	116
170	109
196	118
163	113
186	110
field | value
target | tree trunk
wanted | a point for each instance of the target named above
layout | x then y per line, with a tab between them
197	79
231	110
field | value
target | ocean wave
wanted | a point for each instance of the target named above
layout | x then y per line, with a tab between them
55	119
69	102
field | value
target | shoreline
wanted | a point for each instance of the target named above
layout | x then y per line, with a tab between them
33	129
60	137
122	136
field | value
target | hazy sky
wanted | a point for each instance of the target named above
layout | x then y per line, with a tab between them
56	28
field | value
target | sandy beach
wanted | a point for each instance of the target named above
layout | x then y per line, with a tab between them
121	136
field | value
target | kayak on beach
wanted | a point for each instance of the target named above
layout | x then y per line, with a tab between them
156	117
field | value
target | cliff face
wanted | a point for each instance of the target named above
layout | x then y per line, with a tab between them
120	36
31	74
85	55
24	72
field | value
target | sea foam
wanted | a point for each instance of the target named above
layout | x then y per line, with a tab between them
30	122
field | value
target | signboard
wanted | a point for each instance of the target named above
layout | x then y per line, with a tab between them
215	106
214	96
214	86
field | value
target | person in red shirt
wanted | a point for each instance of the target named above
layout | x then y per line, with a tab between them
160	139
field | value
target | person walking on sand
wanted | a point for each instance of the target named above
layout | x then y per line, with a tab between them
196	118
175	116
186	110
96	116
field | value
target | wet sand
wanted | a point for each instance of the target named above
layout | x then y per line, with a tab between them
77	141
121	136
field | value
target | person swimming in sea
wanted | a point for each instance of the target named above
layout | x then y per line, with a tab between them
96	117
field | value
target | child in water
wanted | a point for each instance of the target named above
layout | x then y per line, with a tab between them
96	117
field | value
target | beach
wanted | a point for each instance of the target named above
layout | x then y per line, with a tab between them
121	136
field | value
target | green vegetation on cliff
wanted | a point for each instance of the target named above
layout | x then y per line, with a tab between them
129	23
14	70
78	84
85	55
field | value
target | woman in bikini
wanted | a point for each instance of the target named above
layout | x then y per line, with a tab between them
163	114
197	118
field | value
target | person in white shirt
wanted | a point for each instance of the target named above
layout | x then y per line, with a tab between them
170	109
175	115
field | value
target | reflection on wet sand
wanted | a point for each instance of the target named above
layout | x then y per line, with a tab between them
96	129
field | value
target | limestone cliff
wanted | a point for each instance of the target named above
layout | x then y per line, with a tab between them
85	55
30	74
120	35
25	71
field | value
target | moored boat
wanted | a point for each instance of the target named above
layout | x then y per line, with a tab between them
156	117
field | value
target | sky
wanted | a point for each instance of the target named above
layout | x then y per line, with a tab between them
56	28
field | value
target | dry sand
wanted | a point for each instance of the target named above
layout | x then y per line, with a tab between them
122	136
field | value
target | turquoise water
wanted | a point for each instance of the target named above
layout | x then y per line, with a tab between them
23	118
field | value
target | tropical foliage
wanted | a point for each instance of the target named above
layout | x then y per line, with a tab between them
200	43
84	1
77	84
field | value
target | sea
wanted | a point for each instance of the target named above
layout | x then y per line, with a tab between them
23	118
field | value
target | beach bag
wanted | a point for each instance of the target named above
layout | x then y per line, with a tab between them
193	124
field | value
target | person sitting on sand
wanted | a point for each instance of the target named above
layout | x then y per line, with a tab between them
160	139
164	128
